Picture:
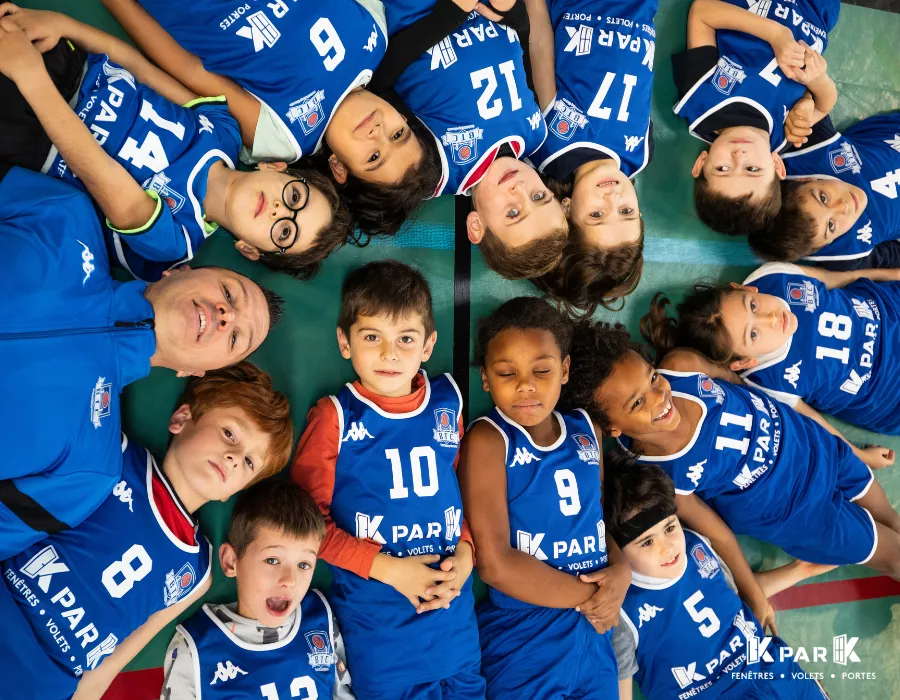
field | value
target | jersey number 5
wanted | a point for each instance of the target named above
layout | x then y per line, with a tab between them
270	692
709	622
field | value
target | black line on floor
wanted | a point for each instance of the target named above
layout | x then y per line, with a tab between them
462	277
886	5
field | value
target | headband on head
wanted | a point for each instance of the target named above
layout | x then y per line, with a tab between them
629	530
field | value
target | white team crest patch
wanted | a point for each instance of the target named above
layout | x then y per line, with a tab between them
178	585
706	563
587	448
567	119
845	157
446	433
707	388
463	143
803	294
727	75
101	401
321	657
159	183
308	111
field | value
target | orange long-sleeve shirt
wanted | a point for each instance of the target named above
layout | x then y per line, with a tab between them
315	464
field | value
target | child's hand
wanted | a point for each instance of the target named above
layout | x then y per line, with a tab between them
602	608
42	27
413	576
19	59
766	616
460	565
815	67
789	53
799	122
875	456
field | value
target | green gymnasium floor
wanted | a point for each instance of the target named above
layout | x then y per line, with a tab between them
302	355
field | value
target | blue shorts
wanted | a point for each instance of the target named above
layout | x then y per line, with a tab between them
465	685
545	654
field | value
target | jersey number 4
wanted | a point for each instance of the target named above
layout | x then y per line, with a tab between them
303	683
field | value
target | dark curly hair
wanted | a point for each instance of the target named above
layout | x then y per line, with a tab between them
522	313
305	265
597	348
736	217
631	487
791	233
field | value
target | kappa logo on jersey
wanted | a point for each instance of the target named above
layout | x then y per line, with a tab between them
531	544
367	528
587	448
178	585
632	142
123	493
707	565
226	672
792	374
308	111
727	75
452	523
687	675
87	262
845	158
373	40
567	119
523	457
446	431
43	565
747	478
646	613
443	54
695	473
463	143
803	294
159	183
206	126
321	658
864	234
357	432
260	31
101	401
706	387
580	40
894	142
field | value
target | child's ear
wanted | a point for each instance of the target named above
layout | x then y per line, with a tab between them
338	169
484	384
740	365
251	252
228	560
565	369
278	165
179	419
612	432
699	163
780	170
428	348
182	373
566	204
343	344
474	228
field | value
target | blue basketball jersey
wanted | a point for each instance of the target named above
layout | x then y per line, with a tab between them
555	504
84	590
604	79
692	633
298	58
300	665
471	93
167	148
866	155
747	71
395	483
840	358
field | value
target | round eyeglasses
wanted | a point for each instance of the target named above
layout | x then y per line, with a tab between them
284	231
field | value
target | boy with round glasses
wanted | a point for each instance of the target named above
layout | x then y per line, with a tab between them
133	146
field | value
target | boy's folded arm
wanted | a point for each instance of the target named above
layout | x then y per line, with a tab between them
706	16
482	479
314	467
94	684
185	67
541	52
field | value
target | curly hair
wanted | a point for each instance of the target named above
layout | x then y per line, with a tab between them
736	217
305	265
597	348
700	324
524	313
791	234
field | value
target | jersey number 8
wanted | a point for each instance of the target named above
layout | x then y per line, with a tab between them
125	570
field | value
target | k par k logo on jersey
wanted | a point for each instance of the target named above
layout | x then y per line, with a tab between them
842	651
